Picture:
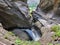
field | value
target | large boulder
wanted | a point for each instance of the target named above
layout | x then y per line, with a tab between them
13	14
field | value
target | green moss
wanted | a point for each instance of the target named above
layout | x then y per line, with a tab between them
10	33
20	42
56	29
50	44
58	33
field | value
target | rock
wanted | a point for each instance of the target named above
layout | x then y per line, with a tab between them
46	35
43	22
12	17
45	29
5	37
46	5
38	24
6	42
3	4
0	25
1	43
46	38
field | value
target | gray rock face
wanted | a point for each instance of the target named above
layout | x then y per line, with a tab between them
12	16
2	3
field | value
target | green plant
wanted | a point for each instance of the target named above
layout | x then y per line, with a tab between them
50	44
56	29
17	41
11	33
58	33
20	42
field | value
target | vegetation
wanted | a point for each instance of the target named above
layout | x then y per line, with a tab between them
6	36
57	44
20	42
11	33
50	44
56	29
